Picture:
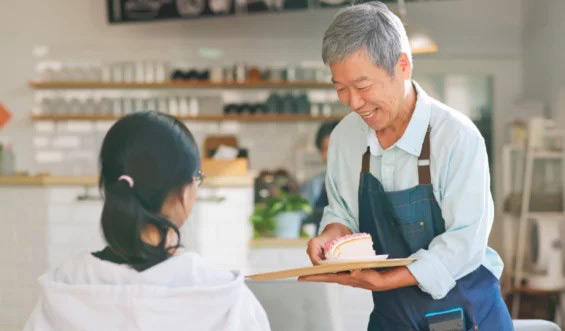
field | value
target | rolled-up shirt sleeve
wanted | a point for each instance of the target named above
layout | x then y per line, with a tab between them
468	211
337	210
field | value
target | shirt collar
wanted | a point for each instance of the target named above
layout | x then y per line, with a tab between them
413	138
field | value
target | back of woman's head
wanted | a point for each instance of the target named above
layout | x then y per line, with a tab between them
145	157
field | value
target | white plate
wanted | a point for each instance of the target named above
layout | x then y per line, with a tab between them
367	259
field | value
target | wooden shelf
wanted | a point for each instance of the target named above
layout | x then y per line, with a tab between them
46	180
179	84
555	155
199	118
49	180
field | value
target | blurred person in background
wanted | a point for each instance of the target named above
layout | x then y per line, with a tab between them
314	190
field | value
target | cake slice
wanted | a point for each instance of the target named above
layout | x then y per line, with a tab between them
353	246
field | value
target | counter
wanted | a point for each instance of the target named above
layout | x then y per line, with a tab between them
279	243
211	182
48	180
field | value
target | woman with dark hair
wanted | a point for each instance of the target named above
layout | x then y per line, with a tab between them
143	279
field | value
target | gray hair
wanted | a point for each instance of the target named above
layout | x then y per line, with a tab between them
369	26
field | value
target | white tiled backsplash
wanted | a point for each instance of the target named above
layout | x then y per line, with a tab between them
71	148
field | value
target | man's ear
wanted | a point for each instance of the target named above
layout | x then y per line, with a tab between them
404	67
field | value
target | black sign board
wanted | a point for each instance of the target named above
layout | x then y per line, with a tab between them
148	10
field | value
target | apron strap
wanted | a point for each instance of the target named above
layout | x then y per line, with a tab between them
424	175
365	165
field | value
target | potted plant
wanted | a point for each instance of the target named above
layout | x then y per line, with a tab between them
281	216
263	222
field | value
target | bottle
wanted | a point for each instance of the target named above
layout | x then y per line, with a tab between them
204	75
183	106
240	73
232	109
302	104
314	109
260	108
254	74
1	157
274	104
288	104
7	161
191	74
173	106
244	108
217	74
177	75
193	107
253	108
326	110
163	105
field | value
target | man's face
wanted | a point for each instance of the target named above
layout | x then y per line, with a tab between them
369	90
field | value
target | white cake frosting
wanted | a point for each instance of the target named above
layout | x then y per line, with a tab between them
353	246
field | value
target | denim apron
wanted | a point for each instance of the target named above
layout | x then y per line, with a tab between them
401	223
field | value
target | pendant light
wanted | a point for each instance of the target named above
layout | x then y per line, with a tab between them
420	42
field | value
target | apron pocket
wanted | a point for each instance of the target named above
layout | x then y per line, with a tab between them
417	233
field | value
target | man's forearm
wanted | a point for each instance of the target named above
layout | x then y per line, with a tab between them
399	277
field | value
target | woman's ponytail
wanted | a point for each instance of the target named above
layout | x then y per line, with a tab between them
124	219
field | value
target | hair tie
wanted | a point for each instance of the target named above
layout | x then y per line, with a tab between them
127	179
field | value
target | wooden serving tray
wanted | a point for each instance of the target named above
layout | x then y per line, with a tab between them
330	268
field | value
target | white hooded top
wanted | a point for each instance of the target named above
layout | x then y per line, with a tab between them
182	293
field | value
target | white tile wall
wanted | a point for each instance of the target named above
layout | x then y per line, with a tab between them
73	147
220	230
22	252
44	227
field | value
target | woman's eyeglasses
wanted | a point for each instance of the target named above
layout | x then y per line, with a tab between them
198	178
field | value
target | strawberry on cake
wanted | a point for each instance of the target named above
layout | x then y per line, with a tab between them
354	246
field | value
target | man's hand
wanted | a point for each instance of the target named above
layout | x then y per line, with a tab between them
315	249
371	280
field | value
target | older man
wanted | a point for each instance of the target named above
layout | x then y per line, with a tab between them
414	174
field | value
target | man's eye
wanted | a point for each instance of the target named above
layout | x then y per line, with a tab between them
364	88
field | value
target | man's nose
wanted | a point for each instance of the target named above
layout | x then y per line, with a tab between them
355	100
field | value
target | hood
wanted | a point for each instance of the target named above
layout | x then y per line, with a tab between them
181	293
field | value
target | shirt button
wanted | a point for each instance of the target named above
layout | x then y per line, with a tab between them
421	223
476	327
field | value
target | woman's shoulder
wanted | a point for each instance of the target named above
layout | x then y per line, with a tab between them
186	269
199	270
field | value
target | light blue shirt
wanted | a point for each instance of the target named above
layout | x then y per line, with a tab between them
312	189
460	178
